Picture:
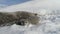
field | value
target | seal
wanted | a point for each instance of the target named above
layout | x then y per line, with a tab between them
19	18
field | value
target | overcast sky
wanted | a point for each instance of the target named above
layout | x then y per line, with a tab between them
4	3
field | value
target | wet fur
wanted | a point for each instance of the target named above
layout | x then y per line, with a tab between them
10	18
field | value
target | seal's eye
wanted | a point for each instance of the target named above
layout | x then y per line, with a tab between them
22	23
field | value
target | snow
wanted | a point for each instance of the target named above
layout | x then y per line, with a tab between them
49	15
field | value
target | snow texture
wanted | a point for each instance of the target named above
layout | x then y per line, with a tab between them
49	15
50	24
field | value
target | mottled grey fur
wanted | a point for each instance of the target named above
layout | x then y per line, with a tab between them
18	17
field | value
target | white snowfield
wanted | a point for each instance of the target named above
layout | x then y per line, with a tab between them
49	15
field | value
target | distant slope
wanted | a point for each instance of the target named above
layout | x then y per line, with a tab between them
34	5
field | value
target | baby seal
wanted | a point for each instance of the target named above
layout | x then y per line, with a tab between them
18	18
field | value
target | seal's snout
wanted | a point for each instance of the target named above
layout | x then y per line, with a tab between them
21	22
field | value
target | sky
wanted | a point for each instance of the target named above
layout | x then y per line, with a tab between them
4	3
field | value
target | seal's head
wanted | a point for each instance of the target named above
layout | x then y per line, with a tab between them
26	17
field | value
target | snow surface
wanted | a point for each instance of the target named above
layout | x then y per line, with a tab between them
49	15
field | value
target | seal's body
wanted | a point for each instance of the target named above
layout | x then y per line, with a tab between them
19	18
